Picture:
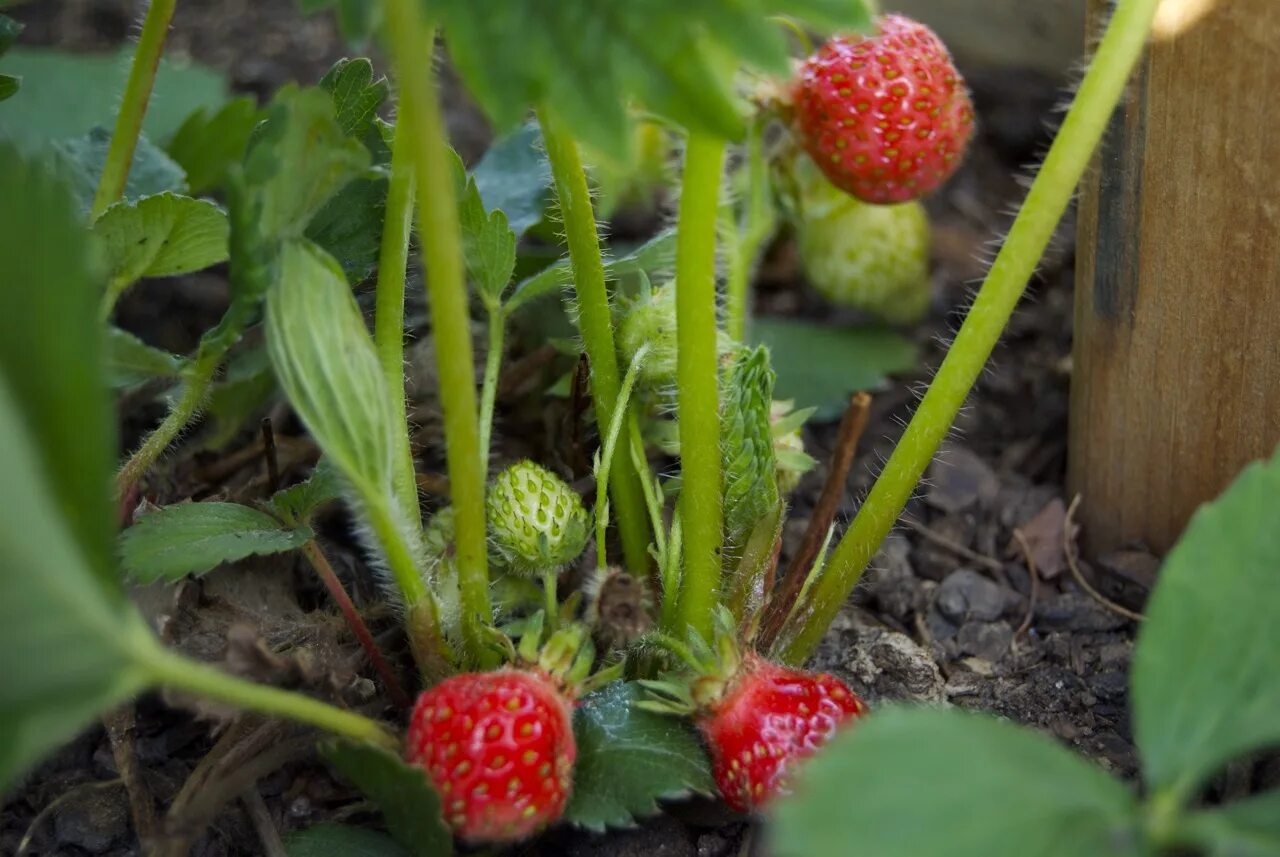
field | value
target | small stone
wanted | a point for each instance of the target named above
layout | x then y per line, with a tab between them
989	641
959	479
1109	685
93	819
967	595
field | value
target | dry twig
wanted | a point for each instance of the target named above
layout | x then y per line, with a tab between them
1069	548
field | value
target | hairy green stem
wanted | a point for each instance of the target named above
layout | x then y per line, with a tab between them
596	324
614	431
133	106
410	40
180	673
697	382
747	239
489	389
388	329
1047	201
194	389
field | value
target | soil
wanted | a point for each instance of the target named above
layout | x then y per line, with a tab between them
949	613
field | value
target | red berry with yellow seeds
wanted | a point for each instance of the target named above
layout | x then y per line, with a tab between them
887	117
499	749
764	721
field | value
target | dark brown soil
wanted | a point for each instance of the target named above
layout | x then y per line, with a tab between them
948	614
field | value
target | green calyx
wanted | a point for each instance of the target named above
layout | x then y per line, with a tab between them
537	523
710	669
565	657
872	258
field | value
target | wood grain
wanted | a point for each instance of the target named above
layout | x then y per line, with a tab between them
1176	382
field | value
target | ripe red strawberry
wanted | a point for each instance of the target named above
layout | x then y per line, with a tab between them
499	749
767	719
886	117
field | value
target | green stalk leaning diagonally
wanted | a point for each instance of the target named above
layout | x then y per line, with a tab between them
410	41
697	381
133	106
596	324
388	331
1047	201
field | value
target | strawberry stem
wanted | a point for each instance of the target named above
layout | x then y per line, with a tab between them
747	238
409	39
1047	201
697	379
388	330
133	106
596	324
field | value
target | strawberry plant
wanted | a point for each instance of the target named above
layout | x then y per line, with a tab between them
315	193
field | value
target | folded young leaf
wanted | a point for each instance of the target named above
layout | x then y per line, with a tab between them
161	236
193	538
1206	670
629	758
921	783
326	363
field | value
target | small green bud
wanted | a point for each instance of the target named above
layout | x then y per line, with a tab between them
746	440
653	320
873	258
537	523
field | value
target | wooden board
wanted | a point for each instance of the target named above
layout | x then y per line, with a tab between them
1176	379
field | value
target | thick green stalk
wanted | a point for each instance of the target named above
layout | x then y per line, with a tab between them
748	238
410	40
489	389
596	323
180	673
1046	202
697	383
388	329
194	389
133	107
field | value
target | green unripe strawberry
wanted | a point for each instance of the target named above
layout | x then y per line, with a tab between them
537	523
873	258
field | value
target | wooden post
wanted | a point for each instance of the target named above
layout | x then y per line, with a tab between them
1176	382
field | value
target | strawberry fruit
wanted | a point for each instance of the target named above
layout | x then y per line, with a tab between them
499	749
887	117
766	719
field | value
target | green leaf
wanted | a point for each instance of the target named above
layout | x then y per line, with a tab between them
298	502
130	361
409	805
81	159
1206	670
653	258
9	86
588	60
193	538
629	758
350	227
1245	828
51	352
208	144
924	782
326	363
65	629
65	94
298	159
356	97
820	366
488	243
514	177
161	236
341	840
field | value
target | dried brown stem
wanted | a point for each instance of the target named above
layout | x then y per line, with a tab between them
994	565
1034	574
356	623
852	425
263	824
1069	549
269	453
121	726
